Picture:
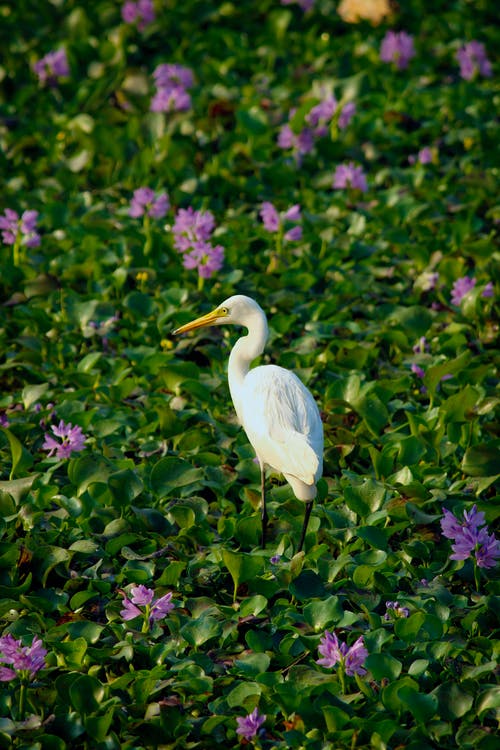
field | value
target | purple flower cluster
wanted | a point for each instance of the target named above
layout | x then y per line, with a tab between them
171	83
248	726
473	60
318	121
275	222
334	652
142	13
466	284
153	609
397	47
461	288
14	228
394	610
471	537
146	201
25	659
350	176
426	155
72	440
192	232
52	66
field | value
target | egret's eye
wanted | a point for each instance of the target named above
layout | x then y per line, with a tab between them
224	311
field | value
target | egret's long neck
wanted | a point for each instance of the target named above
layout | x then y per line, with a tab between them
246	349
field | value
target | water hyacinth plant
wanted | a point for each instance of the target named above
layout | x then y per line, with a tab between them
154	155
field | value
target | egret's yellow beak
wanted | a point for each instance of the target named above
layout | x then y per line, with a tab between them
205	320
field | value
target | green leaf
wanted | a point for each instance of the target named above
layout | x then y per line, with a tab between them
481	460
31	394
21	458
454	701
86	694
323	613
383	666
171	473
244	694
422	707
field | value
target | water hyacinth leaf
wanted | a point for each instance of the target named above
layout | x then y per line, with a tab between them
71	653
489	700
422	707
242	567
31	394
87	470
125	486
252	665
375	536
98	726
86	694
20	457
47	558
308	584
198	631
171	473
323	613
454	701
481	460
383	666
244	694
183	516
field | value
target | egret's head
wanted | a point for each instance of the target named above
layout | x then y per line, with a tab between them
238	310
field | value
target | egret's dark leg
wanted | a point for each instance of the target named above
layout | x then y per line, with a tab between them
307	513
263	509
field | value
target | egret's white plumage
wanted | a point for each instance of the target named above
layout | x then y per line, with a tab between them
278	413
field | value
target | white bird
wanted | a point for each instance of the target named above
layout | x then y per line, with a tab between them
278	413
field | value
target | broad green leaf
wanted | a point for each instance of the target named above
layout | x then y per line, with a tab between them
170	473
482	460
86	694
20	457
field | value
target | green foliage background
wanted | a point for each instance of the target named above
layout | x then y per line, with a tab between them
166	492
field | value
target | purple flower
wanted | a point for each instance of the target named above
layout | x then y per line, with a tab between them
206	258
276	222
397	47
350	176
488	290
472	60
14	227
141	12
52	66
248	726
425	155
171	82
301	143
468	537
153	609
191	226
421	346
346	114
26	659
418	371
460	288
334	652
4	422
72	440
395	610
192	231
173	99
270	217
145	200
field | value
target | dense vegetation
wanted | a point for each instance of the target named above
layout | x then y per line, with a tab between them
338	162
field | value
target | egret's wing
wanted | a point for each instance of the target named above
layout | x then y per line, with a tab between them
282	422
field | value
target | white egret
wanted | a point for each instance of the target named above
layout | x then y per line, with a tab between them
278	413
